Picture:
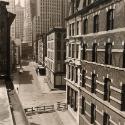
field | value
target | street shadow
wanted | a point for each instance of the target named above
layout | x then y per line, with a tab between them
34	124
26	77
25	63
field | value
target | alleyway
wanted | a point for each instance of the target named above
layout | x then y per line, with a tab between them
34	91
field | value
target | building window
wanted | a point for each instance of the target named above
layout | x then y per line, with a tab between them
85	28
76	73
106	119
83	105
89	2
108	54
69	50
72	29
107	91
94	53
77	51
123	98
83	78
96	24
93	86
110	20
124	57
93	113
73	50
59	55
69	71
72	73
68	95
84	51
77	27
84	3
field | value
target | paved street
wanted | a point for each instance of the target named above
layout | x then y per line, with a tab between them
34	91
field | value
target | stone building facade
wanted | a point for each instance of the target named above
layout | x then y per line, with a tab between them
95	62
55	64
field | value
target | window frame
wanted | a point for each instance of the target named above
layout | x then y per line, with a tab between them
96	24
110	19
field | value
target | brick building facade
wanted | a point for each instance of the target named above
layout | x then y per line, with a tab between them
95	61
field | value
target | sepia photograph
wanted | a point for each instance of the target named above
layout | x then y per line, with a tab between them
62	62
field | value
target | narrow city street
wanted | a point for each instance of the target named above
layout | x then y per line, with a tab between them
33	91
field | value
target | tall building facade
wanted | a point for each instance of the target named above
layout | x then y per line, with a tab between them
19	20
53	13
95	62
55	65
27	23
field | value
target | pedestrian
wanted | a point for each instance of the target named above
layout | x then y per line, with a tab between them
17	90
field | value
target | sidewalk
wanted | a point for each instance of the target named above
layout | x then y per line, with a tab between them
66	118
18	112
5	112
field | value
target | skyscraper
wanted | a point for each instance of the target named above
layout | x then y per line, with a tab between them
27	23
53	13
19	20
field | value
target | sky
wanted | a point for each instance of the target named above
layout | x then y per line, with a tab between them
22	2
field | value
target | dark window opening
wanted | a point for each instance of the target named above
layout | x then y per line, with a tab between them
68	95
72	73
73	29
69	50
110	20
123	98
76	73
84	51
73	50
77	27
85	28
83	78
84	3
94	53
107	83
89	2
70	30
83	105
93	86
96	24
93	113
106	119
77	50
69	72
108	54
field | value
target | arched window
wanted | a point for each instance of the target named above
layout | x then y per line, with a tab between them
110	20
85	28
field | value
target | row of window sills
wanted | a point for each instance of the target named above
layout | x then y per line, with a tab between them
104	65
102	93
83	116
97	33
95	63
105	103
101	83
